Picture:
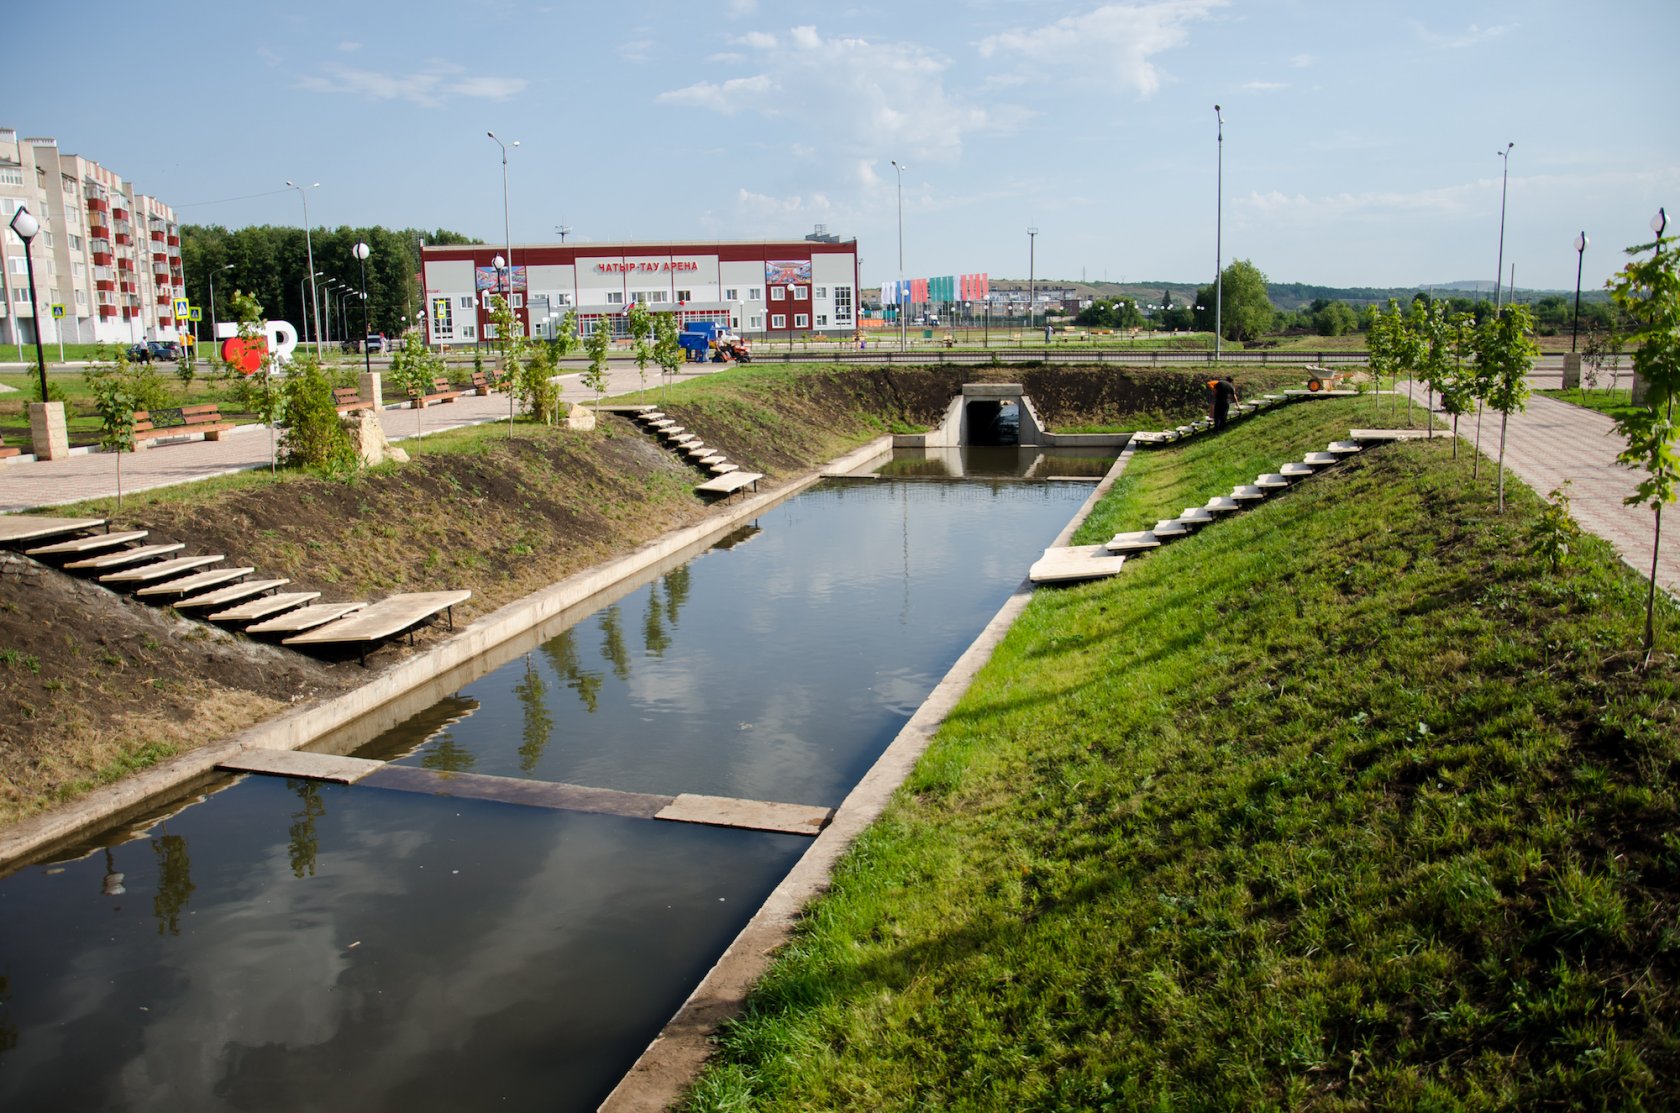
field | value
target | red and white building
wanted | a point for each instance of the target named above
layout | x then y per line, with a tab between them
766	288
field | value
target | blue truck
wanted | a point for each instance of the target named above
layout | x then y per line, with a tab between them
711	341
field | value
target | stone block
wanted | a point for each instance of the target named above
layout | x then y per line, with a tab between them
48	430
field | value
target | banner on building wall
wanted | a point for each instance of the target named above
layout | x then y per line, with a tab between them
786	272
488	278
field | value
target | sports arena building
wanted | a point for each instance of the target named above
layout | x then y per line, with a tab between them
770	288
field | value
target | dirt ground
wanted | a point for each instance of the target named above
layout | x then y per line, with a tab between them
94	685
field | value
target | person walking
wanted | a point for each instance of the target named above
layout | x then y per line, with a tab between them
1224	394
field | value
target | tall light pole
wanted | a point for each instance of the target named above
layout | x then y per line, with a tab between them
26	226
507	236
1032	276
360	251
309	247
902	335
303	285
331	292
213	270
1219	242
1580	257
1504	179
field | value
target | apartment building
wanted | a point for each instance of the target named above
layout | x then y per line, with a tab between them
107	258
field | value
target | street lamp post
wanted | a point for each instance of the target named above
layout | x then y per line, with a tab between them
507	235
360	251
1219	242
26	226
1499	268
303	302
1580	257
499	262
213	270
309	248
1032	276
902	334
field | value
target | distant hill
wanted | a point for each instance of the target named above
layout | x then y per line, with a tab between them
1288	296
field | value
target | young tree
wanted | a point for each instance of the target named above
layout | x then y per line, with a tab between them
115	399
314	435
413	367
667	352
1434	351
256	364
598	345
1648	293
1603	348
510	338
1458	386
640	324
1383	341
1506	353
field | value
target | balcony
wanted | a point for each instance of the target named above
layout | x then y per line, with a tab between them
120	213
174	241
102	258
123	239
106	284
98	205
166	301
160	258
124	263
107	311
157	235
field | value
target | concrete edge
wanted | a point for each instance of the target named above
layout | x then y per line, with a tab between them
668	1067
37	835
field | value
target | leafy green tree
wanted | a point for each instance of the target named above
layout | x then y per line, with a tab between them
598	345
640	324
315	437
1458	385
538	392
115	399
1506	353
1647	291
1333	318
667	352
1433	336
262	398
413	367
510	340
1245	310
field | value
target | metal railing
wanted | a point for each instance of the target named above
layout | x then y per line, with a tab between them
767	352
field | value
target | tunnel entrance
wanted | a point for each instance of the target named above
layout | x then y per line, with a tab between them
993	422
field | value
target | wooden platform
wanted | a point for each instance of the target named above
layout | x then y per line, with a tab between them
126	556
89	544
186	585
729	483
15	528
258	609
752	815
163	569
384	619
307	618
1138	541
1378	435
1071	563
232	593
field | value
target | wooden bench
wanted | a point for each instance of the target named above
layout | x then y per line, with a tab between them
348	399
441	392
203	418
8	450
480	384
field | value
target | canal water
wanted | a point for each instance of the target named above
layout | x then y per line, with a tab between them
291	945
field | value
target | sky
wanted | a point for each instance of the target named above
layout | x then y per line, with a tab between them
1361	141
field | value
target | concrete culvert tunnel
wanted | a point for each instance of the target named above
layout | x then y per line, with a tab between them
993	422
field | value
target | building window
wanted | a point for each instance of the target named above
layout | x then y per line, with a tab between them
756	322
20	264
467	332
842	303
75	243
800	320
752	294
822	291
656	295
490	331
685	295
778	320
615	297
732	294
81	297
466	302
638	296
801	293
21	296
443	319
822	320
11	175
562	299
518	301
778	293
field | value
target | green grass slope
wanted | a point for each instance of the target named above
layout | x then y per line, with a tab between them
1344	802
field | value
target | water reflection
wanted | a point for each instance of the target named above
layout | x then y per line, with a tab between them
301	844
174	882
997	463
772	670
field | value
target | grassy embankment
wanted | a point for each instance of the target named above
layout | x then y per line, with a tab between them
1343	802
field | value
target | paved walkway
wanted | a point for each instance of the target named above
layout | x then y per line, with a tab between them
1554	441
25	485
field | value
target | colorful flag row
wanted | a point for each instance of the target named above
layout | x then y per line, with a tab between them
946	288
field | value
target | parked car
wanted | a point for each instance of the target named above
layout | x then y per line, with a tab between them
164	350
139	353
376	342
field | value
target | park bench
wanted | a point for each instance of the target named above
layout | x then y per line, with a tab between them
441	392
8	450
348	399
157	425
480	384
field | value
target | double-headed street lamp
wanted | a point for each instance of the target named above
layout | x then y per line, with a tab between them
360	251
26	226
1580	257
304	285
507	235
1499	268
213	272
1219	241
902	341
309	247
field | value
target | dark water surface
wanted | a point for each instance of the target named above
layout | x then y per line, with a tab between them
290	945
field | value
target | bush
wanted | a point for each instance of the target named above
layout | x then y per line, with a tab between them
314	436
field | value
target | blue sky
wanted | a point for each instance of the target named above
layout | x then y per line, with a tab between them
1360	138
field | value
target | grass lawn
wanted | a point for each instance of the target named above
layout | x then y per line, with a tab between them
1344	802
1614	403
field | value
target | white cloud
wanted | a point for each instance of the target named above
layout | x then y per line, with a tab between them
1265	86
739	9
1110	46
758	40
1302	61
427	87
349	47
636	50
1470	36
728	97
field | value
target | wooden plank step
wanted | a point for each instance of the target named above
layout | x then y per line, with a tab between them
384	619
232	593
17	528
1071	563
127	556
751	815
723	467
150	573
301	763
729	483
307	618
90	544
186	585
257	609
1379	435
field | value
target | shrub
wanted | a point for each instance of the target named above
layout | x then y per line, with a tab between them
314	435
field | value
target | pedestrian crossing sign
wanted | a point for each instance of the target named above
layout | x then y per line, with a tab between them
182	306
